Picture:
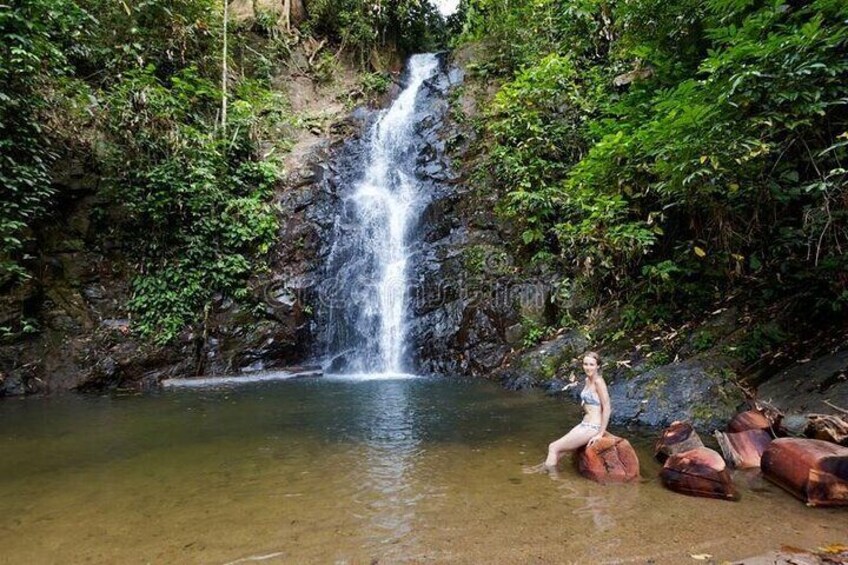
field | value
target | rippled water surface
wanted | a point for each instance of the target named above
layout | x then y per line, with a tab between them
336	470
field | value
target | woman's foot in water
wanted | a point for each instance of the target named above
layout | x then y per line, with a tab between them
541	468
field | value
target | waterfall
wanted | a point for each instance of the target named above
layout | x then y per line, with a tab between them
370	252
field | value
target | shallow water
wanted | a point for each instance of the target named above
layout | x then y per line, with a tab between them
344	471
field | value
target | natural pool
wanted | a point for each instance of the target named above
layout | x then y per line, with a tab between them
350	471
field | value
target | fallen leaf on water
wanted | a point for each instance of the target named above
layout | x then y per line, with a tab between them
700	556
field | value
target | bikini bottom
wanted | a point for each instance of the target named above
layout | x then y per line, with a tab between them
596	427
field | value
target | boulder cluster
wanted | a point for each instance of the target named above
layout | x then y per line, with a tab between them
815	470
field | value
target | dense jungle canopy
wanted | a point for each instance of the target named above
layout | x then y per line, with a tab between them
658	155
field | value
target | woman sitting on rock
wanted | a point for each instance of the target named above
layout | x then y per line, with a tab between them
596	403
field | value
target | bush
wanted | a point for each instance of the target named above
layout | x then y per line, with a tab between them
197	201
32	51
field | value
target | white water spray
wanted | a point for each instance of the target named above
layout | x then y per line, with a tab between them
372	253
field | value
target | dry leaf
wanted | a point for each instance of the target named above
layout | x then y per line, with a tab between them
834	548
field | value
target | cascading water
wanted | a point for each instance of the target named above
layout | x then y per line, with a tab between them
368	261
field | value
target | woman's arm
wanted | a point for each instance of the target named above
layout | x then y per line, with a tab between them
606	408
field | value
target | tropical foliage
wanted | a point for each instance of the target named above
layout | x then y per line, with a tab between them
407	25
31	50
669	150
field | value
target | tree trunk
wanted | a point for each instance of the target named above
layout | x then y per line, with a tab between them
296	11
224	75
287	15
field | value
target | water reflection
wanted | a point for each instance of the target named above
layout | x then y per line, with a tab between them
596	508
392	445
589	507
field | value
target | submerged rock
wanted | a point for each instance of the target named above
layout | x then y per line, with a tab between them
699	472
814	471
835	554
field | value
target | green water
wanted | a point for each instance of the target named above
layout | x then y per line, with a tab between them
339	471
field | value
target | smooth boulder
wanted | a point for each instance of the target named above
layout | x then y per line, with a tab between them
699	472
813	470
677	438
749	420
611	459
743	449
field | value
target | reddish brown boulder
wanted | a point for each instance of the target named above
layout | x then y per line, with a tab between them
698	472
813	470
750	420
744	449
677	438
611	459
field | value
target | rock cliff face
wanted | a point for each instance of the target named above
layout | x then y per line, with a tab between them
466	300
812	386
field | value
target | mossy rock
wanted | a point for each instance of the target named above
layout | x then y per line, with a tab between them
701	391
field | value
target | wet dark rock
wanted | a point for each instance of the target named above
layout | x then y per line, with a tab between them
19	380
20	299
512	380
805	387
514	335
548	359
120	324
94	292
555	387
109	363
696	390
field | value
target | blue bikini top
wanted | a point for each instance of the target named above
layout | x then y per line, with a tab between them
590	397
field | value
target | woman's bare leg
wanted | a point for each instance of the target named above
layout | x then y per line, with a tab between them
577	437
